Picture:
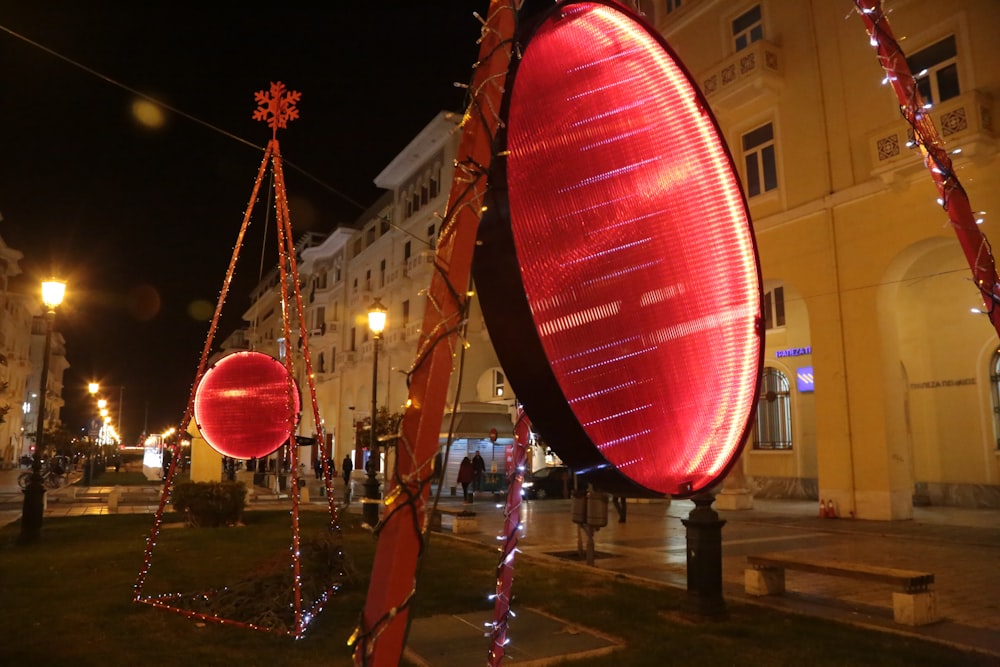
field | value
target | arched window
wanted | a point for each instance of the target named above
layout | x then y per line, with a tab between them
773	429
995	392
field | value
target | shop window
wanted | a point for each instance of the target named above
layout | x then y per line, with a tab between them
773	429
748	28
935	69
759	160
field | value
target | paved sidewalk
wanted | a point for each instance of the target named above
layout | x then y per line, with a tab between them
961	547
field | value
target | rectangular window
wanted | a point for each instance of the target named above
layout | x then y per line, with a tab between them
354	339
936	70
406	313
759	160
368	280
673	5
320	318
774	308
370	234
498	381
407	250
333	360
434	186
383	227
748	28
357	246
381	274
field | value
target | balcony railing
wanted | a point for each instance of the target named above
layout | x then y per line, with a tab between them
420	262
743	77
964	122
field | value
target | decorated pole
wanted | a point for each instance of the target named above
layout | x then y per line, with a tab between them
953	197
381	635
511	526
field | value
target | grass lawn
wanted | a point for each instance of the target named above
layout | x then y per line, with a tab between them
67	600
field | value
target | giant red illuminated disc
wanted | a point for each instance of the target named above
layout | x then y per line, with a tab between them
246	405
638	346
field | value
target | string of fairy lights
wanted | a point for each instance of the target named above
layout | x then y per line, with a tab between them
277	108
952	196
508	548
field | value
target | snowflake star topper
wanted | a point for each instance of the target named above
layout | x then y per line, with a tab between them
276	106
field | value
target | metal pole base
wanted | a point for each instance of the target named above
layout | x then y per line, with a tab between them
704	559
373	499
32	511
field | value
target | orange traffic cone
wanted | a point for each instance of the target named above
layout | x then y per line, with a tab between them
822	508
831	510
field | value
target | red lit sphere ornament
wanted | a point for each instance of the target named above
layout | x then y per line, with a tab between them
246	405
616	264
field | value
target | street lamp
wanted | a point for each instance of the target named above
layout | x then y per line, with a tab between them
34	494
376	323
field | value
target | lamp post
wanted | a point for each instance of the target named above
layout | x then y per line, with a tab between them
34	494
92	434
376	323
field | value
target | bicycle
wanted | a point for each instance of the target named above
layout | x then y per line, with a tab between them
52	478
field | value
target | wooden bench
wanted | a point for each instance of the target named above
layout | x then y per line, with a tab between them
915	604
464	521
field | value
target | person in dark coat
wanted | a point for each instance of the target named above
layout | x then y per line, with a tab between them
347	467
465	476
478	472
318	468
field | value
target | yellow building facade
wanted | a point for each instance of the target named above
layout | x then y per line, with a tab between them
879	389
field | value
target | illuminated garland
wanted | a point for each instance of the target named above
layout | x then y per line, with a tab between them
512	525
276	107
952	195
380	635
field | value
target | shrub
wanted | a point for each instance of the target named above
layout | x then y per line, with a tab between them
210	504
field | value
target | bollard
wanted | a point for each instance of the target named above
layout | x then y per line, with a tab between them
704	559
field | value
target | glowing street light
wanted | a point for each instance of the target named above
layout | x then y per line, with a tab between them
376	323
34	495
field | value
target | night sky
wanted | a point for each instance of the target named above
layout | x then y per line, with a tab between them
141	221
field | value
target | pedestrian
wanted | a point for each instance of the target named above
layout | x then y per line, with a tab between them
346	468
478	472
621	506
318	467
465	476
